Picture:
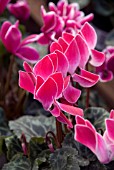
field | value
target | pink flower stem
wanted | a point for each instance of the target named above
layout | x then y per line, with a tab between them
9	74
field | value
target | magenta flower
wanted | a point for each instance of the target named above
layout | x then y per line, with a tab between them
46	82
106	70
79	50
63	17
20	9
101	146
11	38
3	4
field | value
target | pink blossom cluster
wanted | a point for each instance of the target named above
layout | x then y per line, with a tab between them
63	17
106	70
50	79
101	146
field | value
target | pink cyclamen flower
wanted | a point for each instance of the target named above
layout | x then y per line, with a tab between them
12	39
79	50
48	85
3	4
101	146
63	17
106	70
20	9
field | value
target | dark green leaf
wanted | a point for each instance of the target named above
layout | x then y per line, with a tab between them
13	146
97	116
32	126
36	146
19	162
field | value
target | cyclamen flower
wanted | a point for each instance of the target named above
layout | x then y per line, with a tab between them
11	38
78	49
20	9
106	70
47	84
3	4
63	17
101	146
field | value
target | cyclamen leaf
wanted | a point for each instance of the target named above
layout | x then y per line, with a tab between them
19	162
32	126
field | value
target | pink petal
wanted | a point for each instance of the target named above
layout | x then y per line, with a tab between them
105	76
80	120
110	64
28	54
30	39
112	114
86	79
26	81
67	37
55	46
27	67
66	82
89	34
110	128
49	20
70	109
39	82
97	58
71	94
63	64
58	78
54	59
62	118
87	18
73	56
45	94
101	150
44	67
52	7
4	28
55	111
85	136
63	43
43	39
12	39
84	51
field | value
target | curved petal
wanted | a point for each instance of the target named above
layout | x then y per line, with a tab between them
105	76
63	64
97	58
43	39
84	51
86	78
70	109
45	94
89	34
85	135
28	54
55	111
109	128
4	28
58	78
67	37
110	64
26	81
73	56
62	118
71	94
63	43
30	39
12	39
54	59
44	67
27	67
55	46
